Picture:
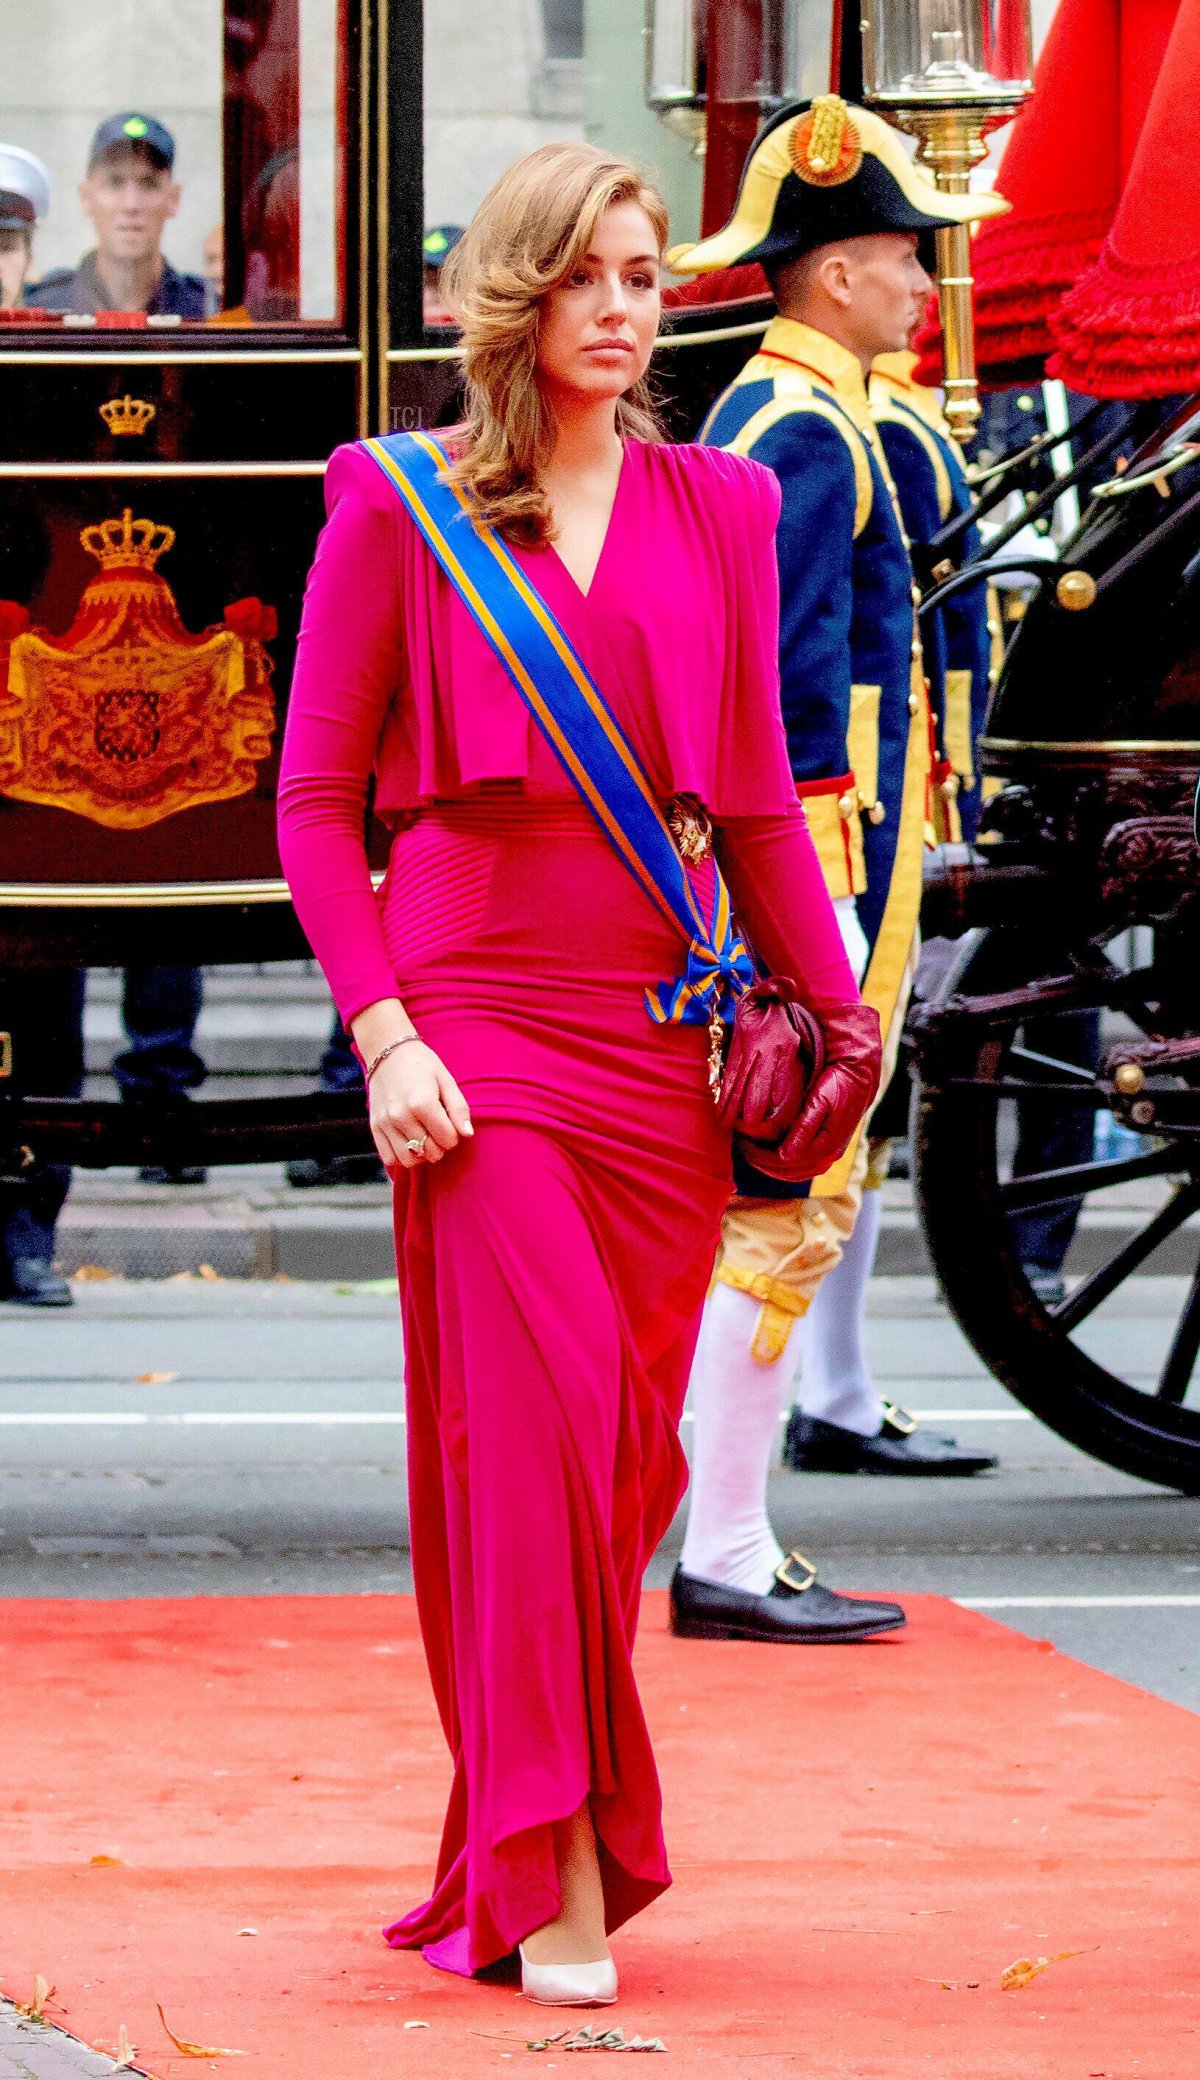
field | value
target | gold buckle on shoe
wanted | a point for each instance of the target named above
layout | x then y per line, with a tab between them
783	1574
899	1418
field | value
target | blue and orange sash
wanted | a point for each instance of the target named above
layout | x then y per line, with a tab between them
578	725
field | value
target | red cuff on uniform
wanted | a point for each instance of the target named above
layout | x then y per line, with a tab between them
836	786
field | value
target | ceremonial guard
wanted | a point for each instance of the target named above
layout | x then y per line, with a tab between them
926	466
841	221
840	1423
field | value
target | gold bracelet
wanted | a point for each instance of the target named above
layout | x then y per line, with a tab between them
391	1047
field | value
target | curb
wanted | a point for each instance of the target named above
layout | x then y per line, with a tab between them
355	1242
316	1244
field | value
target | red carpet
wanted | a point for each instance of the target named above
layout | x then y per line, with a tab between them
850	1827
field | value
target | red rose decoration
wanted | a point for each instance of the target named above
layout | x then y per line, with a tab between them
14	619
251	620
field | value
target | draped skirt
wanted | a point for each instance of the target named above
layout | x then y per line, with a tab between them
552	1273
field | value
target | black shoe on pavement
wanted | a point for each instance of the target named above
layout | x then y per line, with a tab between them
796	1610
172	1173
308	1171
813	1446
34	1282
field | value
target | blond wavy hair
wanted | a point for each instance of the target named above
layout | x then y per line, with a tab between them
525	238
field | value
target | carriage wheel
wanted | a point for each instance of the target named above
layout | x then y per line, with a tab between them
983	1092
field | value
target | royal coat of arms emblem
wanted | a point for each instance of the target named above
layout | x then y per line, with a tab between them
127	717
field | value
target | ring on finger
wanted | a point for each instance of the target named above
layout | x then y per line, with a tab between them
417	1146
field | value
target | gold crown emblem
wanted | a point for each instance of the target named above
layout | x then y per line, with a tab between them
120	543
826	146
126	415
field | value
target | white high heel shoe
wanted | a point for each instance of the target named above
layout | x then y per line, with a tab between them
569	1985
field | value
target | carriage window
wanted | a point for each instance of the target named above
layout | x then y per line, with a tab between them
502	79
678	85
177	162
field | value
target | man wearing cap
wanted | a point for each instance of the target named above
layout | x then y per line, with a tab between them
24	198
841	220
130	195
41	1009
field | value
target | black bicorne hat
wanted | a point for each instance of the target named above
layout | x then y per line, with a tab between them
821	171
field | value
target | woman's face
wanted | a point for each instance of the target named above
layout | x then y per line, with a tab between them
597	328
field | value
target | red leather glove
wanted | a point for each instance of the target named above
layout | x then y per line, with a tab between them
842	1093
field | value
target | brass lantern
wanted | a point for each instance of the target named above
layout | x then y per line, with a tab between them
715	70
676	67
779	51
949	72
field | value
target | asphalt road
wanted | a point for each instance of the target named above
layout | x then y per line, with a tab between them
271	1459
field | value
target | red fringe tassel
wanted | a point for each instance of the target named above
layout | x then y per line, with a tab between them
1130	331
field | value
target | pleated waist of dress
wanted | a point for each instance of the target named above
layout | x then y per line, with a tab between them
506	807
529	888
502	811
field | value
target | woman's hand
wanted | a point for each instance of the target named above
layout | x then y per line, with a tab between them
412	1094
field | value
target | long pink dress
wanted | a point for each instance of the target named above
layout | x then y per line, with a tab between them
552	1270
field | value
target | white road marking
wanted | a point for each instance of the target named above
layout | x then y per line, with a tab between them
101	1419
151	1419
1076	1603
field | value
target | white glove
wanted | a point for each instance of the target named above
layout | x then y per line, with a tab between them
854	939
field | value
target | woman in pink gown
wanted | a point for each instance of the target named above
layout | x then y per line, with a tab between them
559	1169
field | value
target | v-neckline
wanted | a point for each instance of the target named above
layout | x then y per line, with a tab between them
597	567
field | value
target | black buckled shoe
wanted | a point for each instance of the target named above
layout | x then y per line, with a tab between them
813	1446
172	1173
34	1282
795	1610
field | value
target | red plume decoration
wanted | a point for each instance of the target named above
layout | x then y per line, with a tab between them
1063	169
1131	326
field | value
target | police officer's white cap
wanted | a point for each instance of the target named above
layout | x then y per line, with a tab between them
24	188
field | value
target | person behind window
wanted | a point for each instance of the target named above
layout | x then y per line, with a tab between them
212	259
436	247
130	195
24	198
273	240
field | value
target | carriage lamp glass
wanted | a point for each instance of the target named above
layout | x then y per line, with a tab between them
947	51
676	67
949	72
752	46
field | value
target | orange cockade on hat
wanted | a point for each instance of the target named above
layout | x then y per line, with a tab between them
1064	166
1131	326
127	717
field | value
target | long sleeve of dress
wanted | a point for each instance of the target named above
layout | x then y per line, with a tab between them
348	660
783	905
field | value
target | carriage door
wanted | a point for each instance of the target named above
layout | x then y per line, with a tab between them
182	342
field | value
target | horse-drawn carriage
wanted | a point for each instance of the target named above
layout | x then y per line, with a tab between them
1081	913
